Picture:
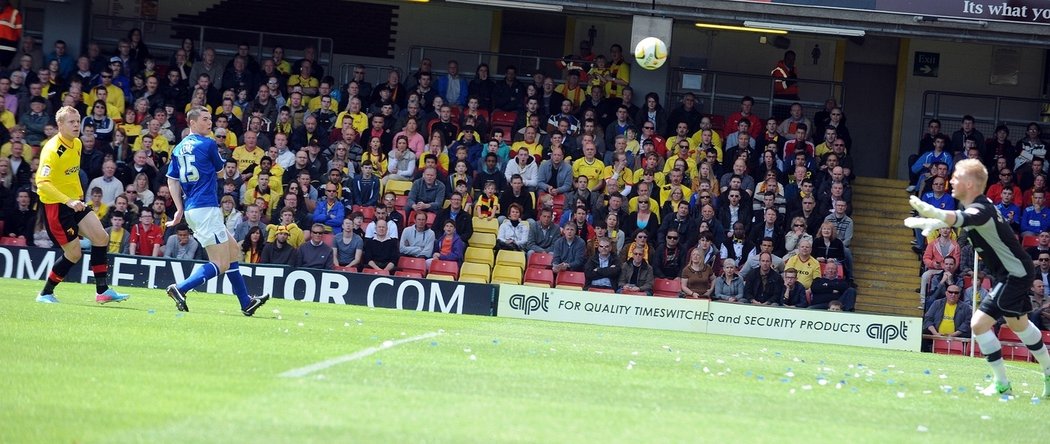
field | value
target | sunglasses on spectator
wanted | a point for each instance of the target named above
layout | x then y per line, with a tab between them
317	232
672	237
952	292
798	225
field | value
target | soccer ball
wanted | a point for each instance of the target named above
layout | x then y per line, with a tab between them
651	53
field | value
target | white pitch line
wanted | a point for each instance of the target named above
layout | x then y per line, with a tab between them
303	371
1038	372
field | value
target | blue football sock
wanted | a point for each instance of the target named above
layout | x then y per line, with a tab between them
239	289
199	276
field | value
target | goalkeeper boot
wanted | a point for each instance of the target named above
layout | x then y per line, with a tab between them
256	302
110	295
46	298
998	389
178	297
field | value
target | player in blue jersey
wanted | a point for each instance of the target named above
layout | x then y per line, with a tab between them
195	163
995	241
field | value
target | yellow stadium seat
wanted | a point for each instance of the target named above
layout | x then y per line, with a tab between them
512	259
474	272
486	225
483	240
505	274
440	277
398	187
479	256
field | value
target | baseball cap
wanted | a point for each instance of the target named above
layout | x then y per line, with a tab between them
116	59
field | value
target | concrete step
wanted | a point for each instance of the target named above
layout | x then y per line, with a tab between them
886	222
896	269
879	181
875	260
872	236
863	307
894	203
867	283
862	212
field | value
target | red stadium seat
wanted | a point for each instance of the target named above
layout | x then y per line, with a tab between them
539	277
949	347
841	269
447	268
345	268
1029	241
376	271
368	212
667	287
328	239
634	293
400	201
1046	337
602	290
412	218
571	280
559	201
412	264
12	241
504	117
409	274
541	260
1007	335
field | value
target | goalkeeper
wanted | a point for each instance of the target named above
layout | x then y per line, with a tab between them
1013	272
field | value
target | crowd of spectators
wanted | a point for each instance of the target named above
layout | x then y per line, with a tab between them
1017	187
740	208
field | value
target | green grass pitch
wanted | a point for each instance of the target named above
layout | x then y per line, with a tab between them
141	372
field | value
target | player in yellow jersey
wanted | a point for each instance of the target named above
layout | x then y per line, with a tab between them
65	213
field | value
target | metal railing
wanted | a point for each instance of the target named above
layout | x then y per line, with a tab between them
719	92
168	36
988	111
469	60
374	74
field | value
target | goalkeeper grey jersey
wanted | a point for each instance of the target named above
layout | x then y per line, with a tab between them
992	238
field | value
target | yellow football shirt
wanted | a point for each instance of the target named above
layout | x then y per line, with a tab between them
58	176
247	158
947	325
593	170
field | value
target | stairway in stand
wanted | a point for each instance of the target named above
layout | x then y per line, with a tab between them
885	268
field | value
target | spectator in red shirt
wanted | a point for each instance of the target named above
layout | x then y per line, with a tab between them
146	238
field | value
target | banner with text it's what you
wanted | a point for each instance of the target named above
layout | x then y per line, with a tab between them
281	281
702	316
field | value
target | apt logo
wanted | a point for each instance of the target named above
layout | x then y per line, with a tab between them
888	332
529	304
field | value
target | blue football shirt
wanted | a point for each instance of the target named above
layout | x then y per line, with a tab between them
195	163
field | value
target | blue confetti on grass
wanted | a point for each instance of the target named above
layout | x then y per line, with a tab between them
180	314
760	378
890	382
151	311
926	372
379	362
747	373
433	343
495	342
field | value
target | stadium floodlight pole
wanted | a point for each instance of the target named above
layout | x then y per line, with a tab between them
973	293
